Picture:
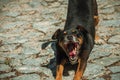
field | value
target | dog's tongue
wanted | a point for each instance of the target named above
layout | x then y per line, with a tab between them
72	49
72	53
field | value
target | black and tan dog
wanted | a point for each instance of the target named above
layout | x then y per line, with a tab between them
76	41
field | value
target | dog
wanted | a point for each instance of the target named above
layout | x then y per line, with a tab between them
76	40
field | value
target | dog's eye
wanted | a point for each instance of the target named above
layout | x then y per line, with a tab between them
64	32
79	35
74	31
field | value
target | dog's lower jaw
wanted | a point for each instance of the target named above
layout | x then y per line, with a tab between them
73	62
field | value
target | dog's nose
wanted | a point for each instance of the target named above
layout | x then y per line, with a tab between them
70	37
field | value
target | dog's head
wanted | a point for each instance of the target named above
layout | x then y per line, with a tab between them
70	41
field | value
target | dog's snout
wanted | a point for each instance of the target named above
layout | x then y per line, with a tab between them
70	37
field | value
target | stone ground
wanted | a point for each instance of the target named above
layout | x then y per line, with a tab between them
26	26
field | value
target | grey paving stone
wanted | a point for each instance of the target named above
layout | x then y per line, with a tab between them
2	35
111	16
106	61
15	40
55	4
14	56
35	62
24	18
107	10
50	0
24	1
114	39
8	47
10	25
11	14
31	47
116	31
62	0
5	68
98	78
104	31
55	22
93	70
109	23
29	50
68	78
114	69
28	69
34	4
2	60
10	74
2	3
47	72
115	76
98	54
46	17
34	69
43	26
27	77
32	34
47	50
108	46
44	3
15	62
112	4
102	3
105	48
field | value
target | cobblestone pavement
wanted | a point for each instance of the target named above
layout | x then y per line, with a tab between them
26	24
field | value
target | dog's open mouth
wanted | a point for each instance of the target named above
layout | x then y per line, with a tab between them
71	48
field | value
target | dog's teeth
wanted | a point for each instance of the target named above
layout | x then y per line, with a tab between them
75	49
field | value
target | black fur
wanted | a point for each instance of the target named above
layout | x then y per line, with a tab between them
80	17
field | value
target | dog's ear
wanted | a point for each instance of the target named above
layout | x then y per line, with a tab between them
81	29
56	34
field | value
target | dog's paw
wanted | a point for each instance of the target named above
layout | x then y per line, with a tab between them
99	41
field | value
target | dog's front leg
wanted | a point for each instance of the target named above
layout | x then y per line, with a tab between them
80	69
59	70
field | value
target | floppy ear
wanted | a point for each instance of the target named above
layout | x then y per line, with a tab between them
56	34
82	29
